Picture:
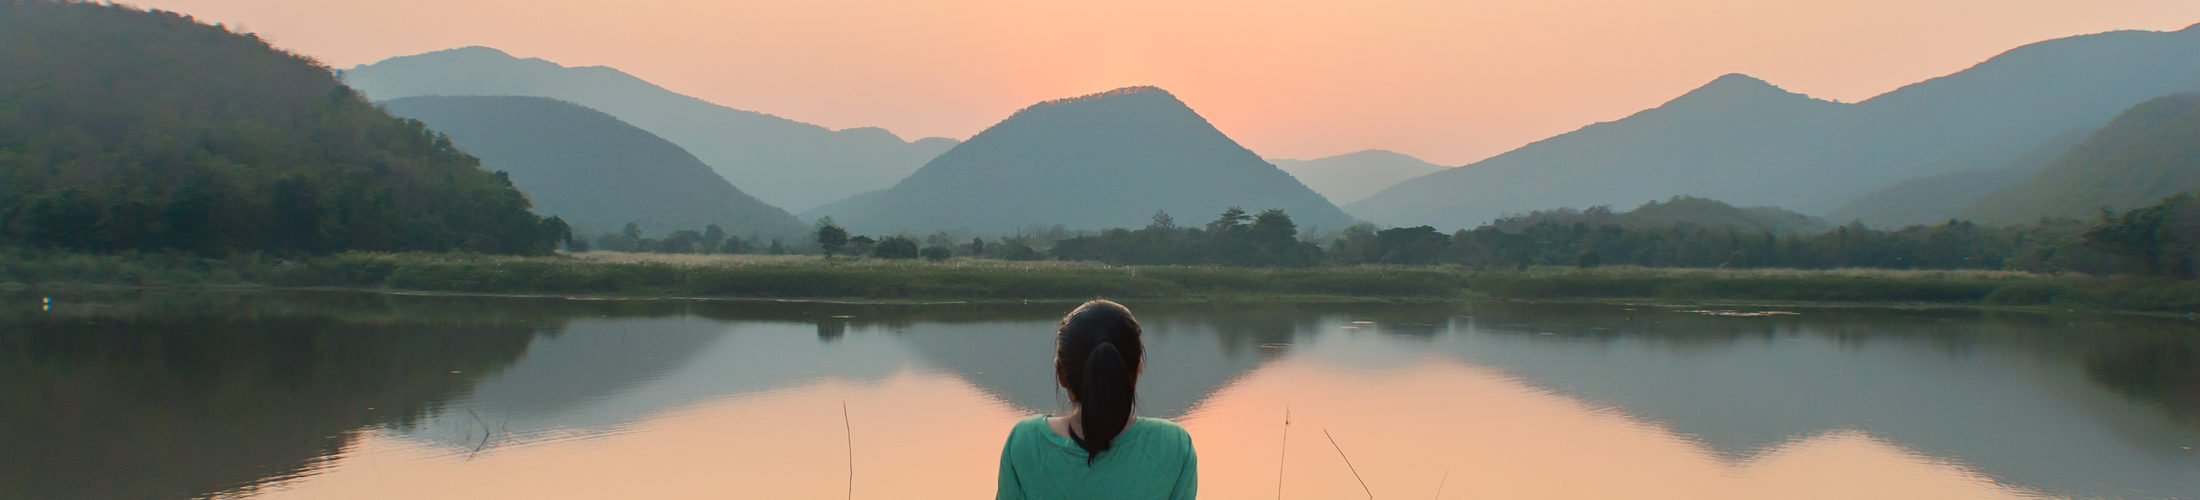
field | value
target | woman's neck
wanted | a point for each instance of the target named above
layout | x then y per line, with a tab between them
1072	425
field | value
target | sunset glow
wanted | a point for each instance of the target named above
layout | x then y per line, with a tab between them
1451	82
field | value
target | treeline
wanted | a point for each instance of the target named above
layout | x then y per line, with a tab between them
128	130
711	239
2162	240
1234	238
835	240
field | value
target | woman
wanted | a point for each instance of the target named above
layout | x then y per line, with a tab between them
1099	450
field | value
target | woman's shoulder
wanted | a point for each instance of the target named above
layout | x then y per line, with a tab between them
1162	428
1032	425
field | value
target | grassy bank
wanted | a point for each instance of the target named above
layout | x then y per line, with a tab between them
725	276
617	274
1974	288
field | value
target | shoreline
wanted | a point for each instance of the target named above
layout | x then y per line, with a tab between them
796	279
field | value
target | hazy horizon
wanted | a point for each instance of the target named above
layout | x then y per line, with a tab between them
1448	83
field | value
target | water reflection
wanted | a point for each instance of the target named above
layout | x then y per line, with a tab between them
257	395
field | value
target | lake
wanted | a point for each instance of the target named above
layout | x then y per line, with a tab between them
339	395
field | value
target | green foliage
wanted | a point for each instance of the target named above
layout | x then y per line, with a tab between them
126	130
895	247
2161	240
1234	238
937	253
831	237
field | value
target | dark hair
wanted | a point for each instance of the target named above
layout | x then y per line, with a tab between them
1097	351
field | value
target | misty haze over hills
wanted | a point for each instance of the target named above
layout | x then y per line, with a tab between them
1935	199
592	170
1351	177
2150	152
1099	161
1747	142
787	163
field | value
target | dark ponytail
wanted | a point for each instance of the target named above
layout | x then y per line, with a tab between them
1098	347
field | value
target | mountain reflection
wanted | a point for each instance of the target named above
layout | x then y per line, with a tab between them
195	394
206	396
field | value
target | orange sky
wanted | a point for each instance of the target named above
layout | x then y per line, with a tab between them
1449	81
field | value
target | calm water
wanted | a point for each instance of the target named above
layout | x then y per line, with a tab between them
361	396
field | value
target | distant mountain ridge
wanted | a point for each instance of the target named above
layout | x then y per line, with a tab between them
1098	161
594	171
2150	152
1351	177
787	163
1745	141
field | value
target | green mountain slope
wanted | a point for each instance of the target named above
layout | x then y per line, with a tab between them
1744	141
594	171
1098	161
1350	177
784	162
1935	199
2148	153
123	129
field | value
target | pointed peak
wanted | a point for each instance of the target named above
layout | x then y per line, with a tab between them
1735	87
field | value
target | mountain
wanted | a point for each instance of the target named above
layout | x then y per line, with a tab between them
786	163
2148	153
1746	141
592	170
1935	199
1351	177
131	130
1099	161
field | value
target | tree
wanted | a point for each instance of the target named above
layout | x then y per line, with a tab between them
1232	218
895	247
937	253
712	237
1162	221
831	237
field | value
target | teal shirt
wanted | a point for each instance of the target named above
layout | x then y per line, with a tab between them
1151	459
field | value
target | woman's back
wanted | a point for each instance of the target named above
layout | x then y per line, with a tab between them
1151	459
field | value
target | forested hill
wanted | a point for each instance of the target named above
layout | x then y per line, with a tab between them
123	129
2148	153
787	163
1099	161
1680	211
594	171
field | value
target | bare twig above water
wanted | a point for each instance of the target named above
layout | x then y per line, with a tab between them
850	432
1348	464
1285	447
485	433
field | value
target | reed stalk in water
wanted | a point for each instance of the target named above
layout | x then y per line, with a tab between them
849	430
1348	464
1282	449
